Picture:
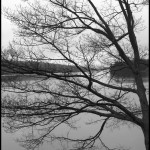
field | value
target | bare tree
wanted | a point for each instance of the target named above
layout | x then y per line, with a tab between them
81	35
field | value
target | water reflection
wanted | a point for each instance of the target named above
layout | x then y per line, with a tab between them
124	136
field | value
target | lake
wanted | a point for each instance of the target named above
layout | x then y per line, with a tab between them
129	137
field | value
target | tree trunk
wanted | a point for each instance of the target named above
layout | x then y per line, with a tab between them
145	109
147	140
145	130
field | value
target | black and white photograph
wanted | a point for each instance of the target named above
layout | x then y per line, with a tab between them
75	75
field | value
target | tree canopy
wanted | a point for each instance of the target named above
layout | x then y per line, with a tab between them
90	38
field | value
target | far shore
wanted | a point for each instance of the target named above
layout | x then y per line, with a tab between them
27	77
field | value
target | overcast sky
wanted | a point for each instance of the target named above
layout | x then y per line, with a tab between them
7	26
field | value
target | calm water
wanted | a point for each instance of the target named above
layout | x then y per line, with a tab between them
123	136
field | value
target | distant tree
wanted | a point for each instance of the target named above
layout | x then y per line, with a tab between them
146	2
84	35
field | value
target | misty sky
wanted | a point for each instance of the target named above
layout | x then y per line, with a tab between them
7	26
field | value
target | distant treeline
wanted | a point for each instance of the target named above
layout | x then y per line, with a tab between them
31	67
120	69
